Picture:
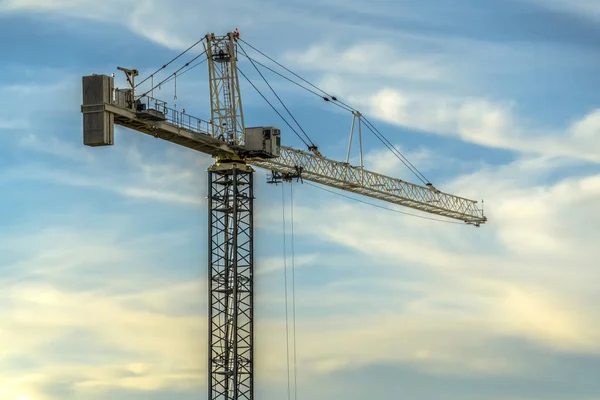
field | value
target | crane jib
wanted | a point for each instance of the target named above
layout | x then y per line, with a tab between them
188	131
353	179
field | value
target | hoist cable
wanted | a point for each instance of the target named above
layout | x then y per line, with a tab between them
287	335
293	291
175	93
167	64
276	95
273	107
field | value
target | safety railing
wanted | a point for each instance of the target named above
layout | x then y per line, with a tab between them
123	98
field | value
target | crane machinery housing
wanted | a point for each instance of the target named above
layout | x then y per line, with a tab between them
237	149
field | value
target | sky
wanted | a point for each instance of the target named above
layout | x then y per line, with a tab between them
103	250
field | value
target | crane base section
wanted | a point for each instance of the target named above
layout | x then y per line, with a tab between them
231	281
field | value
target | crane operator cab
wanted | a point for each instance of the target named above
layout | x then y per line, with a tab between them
263	142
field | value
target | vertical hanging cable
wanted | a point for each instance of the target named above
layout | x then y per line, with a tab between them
287	335
293	291
175	101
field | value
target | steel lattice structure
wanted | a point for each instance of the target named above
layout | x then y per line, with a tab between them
230	262
227	116
230	193
361	181
191	132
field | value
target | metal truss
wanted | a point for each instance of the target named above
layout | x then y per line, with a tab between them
225	97
314	168
340	175
230	202
358	180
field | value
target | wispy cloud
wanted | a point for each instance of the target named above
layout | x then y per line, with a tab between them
358	60
275	264
169	181
161	23
86	308
535	242
485	121
56	147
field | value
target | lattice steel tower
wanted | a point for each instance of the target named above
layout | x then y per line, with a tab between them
231	229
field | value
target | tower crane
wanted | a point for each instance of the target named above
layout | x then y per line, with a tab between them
237	149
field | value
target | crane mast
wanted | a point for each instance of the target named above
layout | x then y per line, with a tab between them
230	235
227	117
236	149
230	264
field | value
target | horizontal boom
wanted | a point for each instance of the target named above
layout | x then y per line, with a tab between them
153	117
354	179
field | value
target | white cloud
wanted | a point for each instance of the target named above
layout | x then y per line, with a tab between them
163	23
139	15
173	180
121	324
424	159
43	316
481	121
167	25
54	146
366	59
489	124
440	91
535	239
432	291
275	264
29	102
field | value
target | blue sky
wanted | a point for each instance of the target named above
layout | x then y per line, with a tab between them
103	250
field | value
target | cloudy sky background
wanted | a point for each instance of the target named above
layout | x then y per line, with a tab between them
103	250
